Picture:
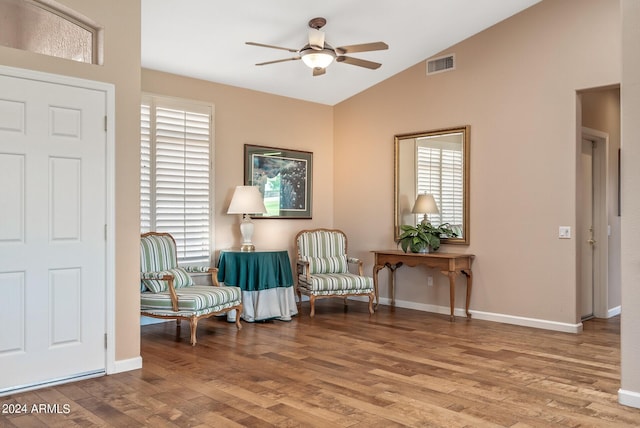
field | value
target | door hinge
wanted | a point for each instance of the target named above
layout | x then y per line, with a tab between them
105	232
105	124
105	341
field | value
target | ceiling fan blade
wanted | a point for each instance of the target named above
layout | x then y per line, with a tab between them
365	47
319	71
316	39
271	46
279	60
359	62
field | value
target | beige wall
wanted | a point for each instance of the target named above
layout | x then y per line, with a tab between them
515	84
121	22
630	95
243	116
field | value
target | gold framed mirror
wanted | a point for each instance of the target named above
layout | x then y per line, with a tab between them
435	163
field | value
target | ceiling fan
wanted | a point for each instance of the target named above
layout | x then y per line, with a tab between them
318	55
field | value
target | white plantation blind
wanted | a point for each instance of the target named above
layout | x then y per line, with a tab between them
175	178
145	168
440	173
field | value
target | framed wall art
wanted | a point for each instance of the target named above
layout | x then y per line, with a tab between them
284	178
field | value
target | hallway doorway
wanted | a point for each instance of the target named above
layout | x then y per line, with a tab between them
598	238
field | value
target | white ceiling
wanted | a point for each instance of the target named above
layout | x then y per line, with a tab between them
205	39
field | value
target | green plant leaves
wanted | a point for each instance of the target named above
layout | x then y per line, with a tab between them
424	235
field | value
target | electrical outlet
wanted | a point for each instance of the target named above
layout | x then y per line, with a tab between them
429	281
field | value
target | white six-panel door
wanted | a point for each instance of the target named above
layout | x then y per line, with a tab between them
52	232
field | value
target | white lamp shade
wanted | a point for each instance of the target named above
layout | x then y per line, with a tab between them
247	200
425	204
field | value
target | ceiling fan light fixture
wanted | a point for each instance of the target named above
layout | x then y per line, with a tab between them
317	59
318	55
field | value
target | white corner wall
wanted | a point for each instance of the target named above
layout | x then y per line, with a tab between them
629	393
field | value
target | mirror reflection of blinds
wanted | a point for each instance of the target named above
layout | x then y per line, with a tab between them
439	172
175	176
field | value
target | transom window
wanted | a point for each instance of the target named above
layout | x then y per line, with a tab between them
42	28
176	179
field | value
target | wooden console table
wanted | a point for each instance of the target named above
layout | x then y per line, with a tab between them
449	264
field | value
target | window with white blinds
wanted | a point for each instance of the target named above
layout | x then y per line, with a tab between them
440	173
176	174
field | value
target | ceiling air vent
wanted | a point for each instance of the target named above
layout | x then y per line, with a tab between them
443	63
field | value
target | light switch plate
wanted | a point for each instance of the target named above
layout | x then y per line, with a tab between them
564	232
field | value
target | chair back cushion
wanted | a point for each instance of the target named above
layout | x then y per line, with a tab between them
325	251
158	256
157	253
333	264
181	278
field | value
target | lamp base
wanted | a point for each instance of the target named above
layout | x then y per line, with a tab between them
246	230
248	248
425	220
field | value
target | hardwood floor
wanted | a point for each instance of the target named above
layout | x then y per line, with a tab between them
345	369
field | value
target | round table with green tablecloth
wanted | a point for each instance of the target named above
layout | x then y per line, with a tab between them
266	280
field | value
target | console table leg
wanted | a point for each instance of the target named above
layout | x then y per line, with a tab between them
392	284
392	280
469	276
376	269
452	294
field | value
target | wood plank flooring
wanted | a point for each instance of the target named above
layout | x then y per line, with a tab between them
396	368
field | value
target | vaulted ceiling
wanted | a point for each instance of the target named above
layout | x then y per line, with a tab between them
205	39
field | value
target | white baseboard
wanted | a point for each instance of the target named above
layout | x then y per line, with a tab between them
613	312
528	322
488	316
629	398
120	366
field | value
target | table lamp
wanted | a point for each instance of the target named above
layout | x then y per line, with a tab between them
246	200
425	204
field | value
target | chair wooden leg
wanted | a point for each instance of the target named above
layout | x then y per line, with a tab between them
193	322
312	302
238	312
299	293
371	296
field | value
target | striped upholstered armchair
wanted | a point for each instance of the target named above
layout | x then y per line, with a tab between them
168	291
323	268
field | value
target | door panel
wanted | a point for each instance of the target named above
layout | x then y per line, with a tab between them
12	312
52	242
12	213
65	181
65	319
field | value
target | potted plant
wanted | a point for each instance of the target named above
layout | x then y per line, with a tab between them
424	237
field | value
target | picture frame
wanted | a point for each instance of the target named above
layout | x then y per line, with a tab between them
285	180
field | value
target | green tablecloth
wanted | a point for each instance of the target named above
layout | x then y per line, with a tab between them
254	271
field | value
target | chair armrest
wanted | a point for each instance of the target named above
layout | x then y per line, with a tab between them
164	277
205	269
358	262
303	268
